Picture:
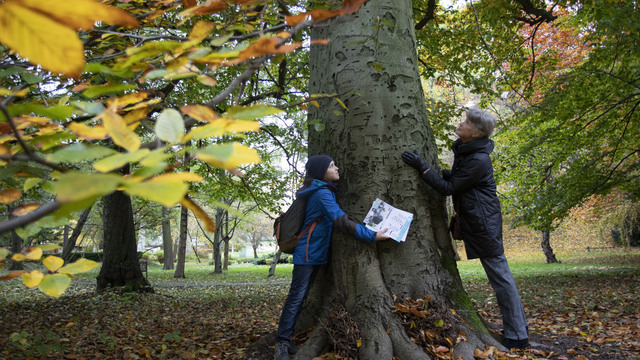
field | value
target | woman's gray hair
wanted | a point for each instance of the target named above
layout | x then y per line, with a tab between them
482	121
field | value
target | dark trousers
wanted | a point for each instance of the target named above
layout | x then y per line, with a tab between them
501	279
301	281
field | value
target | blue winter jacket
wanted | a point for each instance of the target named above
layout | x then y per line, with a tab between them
322	204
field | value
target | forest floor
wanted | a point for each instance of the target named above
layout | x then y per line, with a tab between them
586	308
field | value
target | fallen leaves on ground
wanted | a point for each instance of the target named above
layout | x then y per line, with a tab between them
174	323
590	315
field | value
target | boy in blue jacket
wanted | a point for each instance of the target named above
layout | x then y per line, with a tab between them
312	252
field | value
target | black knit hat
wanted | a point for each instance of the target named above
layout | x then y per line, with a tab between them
317	166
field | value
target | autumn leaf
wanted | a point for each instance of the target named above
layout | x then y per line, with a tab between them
9	195
81	14
201	30
45	31
25	209
199	112
88	132
209	224
54	285
32	279
117	128
228	156
79	266
53	263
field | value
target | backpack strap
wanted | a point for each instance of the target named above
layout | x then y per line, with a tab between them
310	227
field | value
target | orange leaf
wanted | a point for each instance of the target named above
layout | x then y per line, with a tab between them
351	6
12	275
199	112
80	14
25	209
208	8
10	195
189	3
209	224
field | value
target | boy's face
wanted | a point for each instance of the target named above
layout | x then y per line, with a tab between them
332	173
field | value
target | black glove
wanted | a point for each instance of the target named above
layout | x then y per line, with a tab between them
413	159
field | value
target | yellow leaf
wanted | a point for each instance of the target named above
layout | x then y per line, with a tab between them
199	112
209	224
183	176
18	257
118	130
80	266
49	247
167	193
228	156
81	14
32	279
86	132
18	93
201	30
53	263
10	195
54	285
33	253
25	209
42	40
128	99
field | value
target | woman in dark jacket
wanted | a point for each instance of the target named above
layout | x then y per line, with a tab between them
470	181
312	250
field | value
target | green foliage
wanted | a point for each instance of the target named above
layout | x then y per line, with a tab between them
581	137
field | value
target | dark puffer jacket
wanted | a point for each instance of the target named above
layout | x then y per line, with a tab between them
473	187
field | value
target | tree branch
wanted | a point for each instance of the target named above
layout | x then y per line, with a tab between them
35	215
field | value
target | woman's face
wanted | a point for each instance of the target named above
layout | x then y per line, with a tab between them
467	132
332	172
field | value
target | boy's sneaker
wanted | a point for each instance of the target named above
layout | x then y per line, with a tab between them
282	351
515	344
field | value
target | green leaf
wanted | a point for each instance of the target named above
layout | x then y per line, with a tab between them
57	112
88	107
170	126
31	182
251	112
54	285
3	253
79	152
165	193
120	159
49	247
74	186
95	91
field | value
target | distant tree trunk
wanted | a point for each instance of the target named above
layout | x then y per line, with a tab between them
120	265
70	243
182	245
167	241
254	246
225	263
276	258
217	240
546	248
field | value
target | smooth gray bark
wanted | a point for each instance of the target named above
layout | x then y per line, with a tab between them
167	241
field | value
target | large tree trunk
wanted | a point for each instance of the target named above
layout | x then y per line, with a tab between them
167	241
378	81
182	245
120	265
546	248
